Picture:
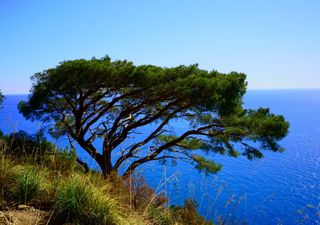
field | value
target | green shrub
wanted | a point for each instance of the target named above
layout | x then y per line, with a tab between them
188	214
160	216
5	173
77	201
6	178
54	181
134	192
28	184
22	144
63	161
36	150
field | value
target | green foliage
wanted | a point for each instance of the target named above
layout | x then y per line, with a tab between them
36	149
28	184
6	177
79	198
63	161
135	191
206	165
184	215
23	144
187	143
110	100
188	214
162	217
1	99
77	201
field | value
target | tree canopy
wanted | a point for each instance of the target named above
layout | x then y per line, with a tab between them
111	101
1	99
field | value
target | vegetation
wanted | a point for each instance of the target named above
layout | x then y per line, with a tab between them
23	144
28	184
67	195
111	101
107	102
78	201
1	98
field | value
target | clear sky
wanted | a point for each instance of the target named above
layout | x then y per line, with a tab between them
275	42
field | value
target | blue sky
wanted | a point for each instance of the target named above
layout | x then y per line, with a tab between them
276	43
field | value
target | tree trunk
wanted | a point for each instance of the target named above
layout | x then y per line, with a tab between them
130	169
83	164
106	166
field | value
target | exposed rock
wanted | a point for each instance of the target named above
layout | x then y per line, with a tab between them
22	207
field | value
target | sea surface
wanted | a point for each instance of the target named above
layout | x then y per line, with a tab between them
281	188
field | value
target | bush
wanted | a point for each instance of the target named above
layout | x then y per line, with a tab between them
77	201
52	180
188	214
134	192
35	149
6	178
23	144
28	184
161	216
63	161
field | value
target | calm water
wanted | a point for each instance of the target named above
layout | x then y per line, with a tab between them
281	188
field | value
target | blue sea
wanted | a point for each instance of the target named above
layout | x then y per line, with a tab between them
281	188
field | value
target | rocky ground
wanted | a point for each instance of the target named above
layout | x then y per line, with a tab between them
22	215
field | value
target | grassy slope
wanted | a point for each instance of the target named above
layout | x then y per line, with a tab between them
57	185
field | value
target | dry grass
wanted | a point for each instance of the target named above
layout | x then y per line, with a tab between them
54	183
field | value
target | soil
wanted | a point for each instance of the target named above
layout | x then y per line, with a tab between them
23	215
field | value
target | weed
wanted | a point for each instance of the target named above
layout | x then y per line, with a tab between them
77	201
28	184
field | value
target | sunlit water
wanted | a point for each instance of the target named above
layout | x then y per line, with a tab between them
281	188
